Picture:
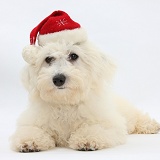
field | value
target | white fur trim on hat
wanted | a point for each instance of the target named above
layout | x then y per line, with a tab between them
74	35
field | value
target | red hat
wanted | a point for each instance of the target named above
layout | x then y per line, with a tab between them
55	27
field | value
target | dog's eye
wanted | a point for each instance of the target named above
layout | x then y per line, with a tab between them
73	57
49	59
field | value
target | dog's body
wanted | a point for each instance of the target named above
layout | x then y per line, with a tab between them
77	110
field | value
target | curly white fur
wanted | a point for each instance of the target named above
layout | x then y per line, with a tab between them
84	115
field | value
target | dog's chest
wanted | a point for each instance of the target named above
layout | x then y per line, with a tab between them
64	120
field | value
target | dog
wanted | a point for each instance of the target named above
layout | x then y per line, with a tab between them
71	102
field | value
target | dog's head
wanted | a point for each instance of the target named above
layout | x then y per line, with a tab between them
66	73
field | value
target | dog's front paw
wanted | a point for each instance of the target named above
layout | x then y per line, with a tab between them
87	146
31	139
82	143
95	137
32	145
29	147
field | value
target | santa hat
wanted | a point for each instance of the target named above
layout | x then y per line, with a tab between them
57	26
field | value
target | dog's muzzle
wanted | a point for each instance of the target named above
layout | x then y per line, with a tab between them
59	80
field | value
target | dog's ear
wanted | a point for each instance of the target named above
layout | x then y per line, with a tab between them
108	67
101	64
30	53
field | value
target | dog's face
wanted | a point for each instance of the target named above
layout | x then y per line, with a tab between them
67	73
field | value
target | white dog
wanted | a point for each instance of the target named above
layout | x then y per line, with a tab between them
70	100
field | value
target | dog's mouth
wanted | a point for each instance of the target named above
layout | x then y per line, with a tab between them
61	87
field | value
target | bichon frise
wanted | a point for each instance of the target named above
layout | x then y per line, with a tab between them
70	99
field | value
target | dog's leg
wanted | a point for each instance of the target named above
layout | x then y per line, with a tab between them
95	137
137	122
31	139
146	125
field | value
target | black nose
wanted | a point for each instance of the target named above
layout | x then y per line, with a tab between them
59	80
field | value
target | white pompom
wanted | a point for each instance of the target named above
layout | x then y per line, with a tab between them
29	54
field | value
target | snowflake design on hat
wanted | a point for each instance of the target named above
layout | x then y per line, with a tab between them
62	22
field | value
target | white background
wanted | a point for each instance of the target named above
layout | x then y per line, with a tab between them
129	30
